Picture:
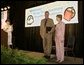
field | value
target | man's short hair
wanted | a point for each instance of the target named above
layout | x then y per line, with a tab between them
59	16
47	12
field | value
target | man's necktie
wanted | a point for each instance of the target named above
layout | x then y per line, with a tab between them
45	21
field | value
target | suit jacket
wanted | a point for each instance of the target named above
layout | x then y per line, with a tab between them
49	23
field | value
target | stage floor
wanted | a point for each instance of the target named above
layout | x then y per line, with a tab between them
68	60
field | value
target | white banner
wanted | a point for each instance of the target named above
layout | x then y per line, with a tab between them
68	9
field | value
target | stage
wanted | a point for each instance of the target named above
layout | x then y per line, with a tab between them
52	60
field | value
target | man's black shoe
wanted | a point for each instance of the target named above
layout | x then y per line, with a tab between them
48	57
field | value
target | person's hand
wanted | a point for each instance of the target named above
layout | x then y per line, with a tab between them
5	29
49	32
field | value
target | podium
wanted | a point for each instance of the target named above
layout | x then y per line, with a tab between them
4	38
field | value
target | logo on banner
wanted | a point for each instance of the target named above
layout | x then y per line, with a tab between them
30	20
69	13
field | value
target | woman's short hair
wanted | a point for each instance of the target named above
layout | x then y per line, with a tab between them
59	16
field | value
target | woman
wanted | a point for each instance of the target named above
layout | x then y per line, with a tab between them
59	39
8	28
